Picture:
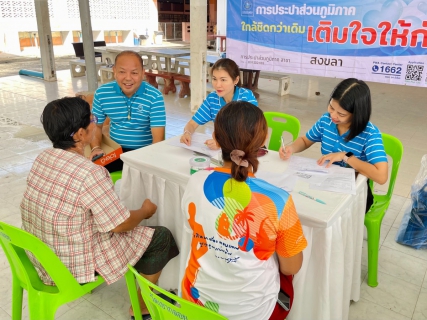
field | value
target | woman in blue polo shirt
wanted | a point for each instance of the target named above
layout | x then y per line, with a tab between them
226	82
346	135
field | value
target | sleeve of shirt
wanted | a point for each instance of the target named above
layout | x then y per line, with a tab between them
203	114
249	97
158	112
290	238
374	150
99	196
316	132
97	108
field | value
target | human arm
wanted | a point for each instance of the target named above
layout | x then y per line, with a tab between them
95	144
299	145
189	129
375	167
290	241
157	118
377	172
158	134
291	265
302	143
136	216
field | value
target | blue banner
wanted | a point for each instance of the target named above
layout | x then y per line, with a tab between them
383	41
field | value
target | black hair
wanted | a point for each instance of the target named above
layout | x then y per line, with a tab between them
239	125
62	118
130	53
354	96
230	66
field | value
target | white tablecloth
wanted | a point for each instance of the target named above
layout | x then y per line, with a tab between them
330	274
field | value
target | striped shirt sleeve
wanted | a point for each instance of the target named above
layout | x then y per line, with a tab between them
374	149
249	97
316	131
203	114
97	108
157	112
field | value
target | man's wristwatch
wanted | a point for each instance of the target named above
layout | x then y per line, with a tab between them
347	156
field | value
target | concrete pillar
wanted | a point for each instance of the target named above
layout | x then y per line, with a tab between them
221	16
45	38
221	26
198	16
91	74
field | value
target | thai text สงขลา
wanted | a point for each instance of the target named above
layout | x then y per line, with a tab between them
304	10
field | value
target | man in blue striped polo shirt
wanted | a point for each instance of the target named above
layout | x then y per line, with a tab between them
136	109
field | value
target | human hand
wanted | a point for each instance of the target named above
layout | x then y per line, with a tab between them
332	157
149	208
211	144
285	153
186	138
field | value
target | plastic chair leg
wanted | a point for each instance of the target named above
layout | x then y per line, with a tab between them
40	308
17	293
373	251
133	294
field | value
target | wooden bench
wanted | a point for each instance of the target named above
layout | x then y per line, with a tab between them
78	68
184	80
284	81
107	74
151	75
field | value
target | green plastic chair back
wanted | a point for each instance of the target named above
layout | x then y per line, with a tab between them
292	125
116	175
43	300
373	218
161	309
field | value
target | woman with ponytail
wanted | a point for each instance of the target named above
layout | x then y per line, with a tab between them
238	223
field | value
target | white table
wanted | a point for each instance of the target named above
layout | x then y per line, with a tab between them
330	274
156	55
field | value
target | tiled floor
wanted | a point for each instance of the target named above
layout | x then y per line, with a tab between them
398	110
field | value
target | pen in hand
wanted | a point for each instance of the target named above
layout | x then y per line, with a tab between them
283	143
311	197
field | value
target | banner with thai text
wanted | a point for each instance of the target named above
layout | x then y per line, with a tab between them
381	41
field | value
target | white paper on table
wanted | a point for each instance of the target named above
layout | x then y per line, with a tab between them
305	164
310	177
341	181
283	180
197	144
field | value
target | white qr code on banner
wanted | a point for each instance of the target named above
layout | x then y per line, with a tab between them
414	72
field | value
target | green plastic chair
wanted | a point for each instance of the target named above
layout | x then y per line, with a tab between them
43	300
116	175
161	309
292	125
373	218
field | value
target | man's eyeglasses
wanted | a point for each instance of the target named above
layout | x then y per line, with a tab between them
93	119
